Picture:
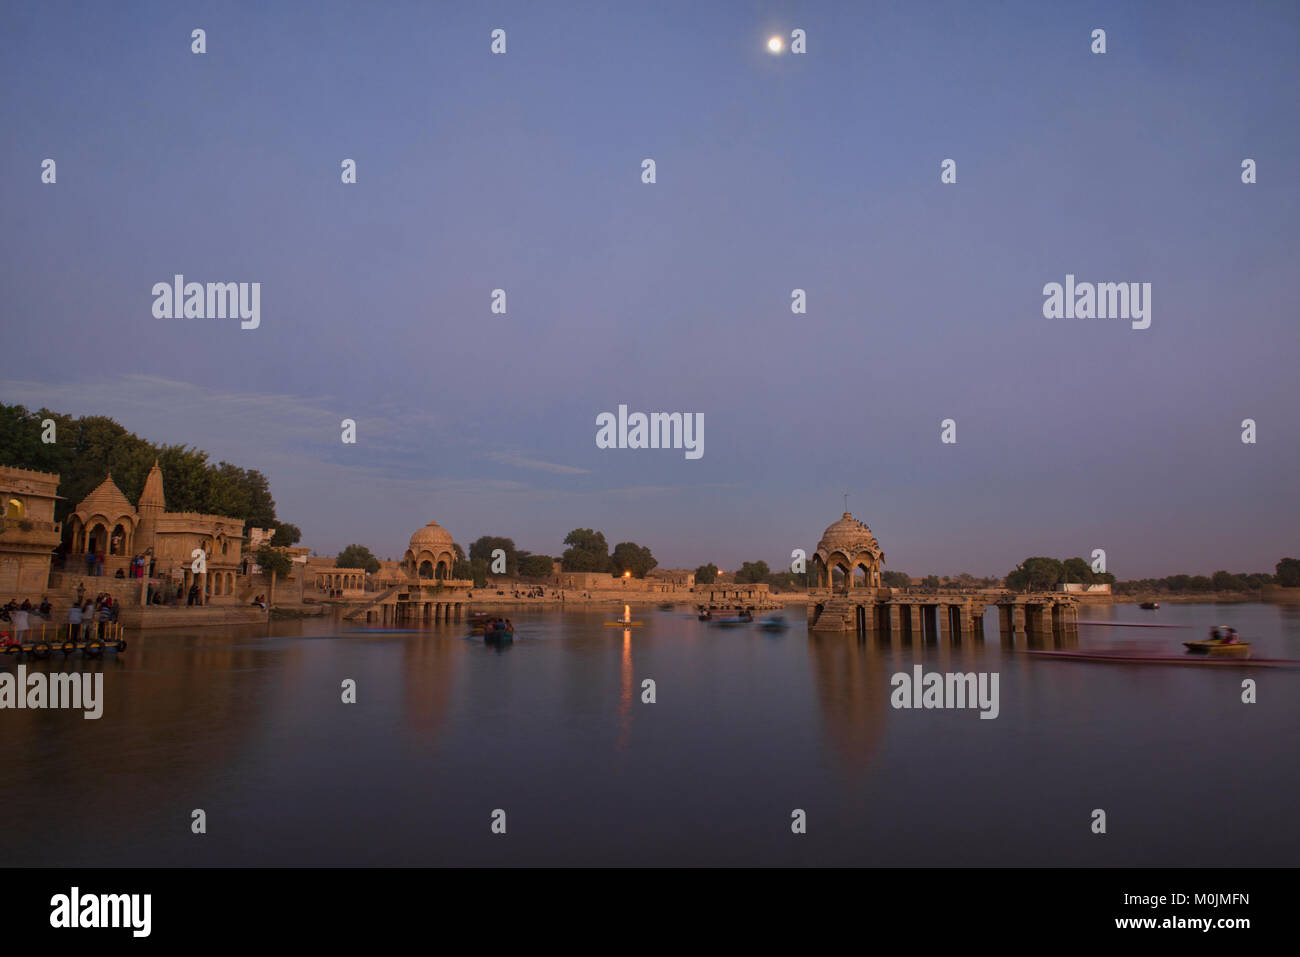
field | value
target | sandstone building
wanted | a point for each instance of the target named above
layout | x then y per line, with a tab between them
29	533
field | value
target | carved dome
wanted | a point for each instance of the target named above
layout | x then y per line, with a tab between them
849	537
107	500
432	538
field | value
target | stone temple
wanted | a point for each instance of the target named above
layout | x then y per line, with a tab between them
856	601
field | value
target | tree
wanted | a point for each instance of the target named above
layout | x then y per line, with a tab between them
588	551
1226	581
485	545
1288	572
535	566
286	535
1036	574
478	572
1077	571
357	556
706	574
752	572
631	557
930	581
895	579
275	564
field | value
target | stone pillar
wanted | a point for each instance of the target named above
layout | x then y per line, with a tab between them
918	624
943	614
895	622
1018	622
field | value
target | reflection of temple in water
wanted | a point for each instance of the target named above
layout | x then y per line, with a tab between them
851	681
429	665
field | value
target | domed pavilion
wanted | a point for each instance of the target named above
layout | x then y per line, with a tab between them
848	545
431	554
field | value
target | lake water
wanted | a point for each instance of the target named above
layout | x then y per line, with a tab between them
248	725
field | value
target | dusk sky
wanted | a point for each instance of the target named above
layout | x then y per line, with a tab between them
818	171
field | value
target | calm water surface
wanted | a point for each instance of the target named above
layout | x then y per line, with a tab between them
248	725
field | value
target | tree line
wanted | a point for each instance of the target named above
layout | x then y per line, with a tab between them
1044	574
588	551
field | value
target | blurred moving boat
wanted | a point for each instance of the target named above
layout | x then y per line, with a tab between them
774	623
742	619
1149	605
1129	657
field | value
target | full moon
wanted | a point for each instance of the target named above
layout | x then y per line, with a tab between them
774	44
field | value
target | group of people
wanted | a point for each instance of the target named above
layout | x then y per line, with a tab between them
139	567
91	617
260	602
20	614
82	614
534	592
1224	634
498	624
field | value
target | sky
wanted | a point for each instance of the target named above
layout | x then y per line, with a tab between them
818	171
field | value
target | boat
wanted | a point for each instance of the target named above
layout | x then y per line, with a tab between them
1149	605
490	626
731	622
666	606
1218	648
773	623
1128	657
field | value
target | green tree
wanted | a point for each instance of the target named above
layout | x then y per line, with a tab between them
357	556
631	557
1226	581
273	560
895	579
478	572
1036	574
485	545
535	566
706	574
285	535
1076	570
752	572
588	551
1288	572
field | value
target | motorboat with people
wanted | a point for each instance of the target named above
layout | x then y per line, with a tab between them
1224	642
773	623
495	629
